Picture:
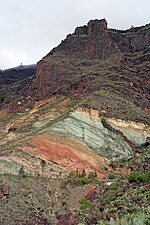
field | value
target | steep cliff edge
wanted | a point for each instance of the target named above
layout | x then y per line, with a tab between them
91	41
95	60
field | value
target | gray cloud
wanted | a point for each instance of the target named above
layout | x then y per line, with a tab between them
31	28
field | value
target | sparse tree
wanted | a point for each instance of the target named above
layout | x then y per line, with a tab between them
43	163
83	173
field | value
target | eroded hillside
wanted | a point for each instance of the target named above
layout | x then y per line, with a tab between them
85	114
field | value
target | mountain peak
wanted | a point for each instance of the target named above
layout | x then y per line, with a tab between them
91	41
93	27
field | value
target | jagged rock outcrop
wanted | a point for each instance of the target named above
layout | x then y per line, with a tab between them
96	58
59	71
91	41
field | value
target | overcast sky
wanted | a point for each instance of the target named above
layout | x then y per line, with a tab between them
29	29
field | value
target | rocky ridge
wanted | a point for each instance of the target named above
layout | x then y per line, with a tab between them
93	60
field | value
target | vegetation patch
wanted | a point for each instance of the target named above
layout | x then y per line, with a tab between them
85	203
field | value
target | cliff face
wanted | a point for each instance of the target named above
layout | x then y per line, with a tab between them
91	41
85	125
95	60
62	69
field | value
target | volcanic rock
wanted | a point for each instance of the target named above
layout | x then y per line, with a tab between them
94	58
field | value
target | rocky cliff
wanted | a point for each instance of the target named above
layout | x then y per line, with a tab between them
91	41
91	75
95	60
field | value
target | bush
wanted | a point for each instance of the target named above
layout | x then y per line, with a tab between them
92	175
146	177
134	177
85	203
72	174
111	195
129	219
81	181
83	173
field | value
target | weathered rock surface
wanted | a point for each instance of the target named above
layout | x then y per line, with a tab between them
85	125
95	58
66	140
91	41
68	153
136	132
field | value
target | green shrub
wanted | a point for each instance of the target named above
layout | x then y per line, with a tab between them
92	175
81	181
129	219
85	203
111	195
72	174
146	177
134	177
83	173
